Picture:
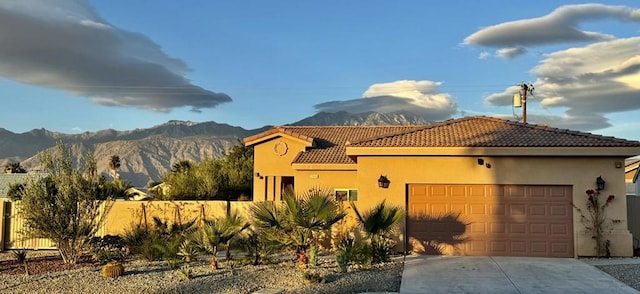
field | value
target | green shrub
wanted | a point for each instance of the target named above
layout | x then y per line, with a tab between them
355	250
342	260
135	237
382	249
108	248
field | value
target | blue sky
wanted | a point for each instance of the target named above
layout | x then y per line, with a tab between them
73	65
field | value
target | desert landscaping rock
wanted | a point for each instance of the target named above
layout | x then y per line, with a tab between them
626	273
156	277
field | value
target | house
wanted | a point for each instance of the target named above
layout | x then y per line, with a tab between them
631	174
470	186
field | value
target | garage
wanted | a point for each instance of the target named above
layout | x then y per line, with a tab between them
490	220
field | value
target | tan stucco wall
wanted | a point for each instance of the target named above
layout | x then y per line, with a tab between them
125	214
578	172
269	165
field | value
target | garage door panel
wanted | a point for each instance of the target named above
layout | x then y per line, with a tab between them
498	228
501	220
477	209
517	229
477	192
537	210
538	229
517	210
559	211
498	209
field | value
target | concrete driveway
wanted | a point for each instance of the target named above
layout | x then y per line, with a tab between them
474	274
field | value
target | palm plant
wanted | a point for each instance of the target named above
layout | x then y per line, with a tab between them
114	165
297	222
218	231
377	223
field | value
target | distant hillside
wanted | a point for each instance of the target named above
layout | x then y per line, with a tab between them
146	154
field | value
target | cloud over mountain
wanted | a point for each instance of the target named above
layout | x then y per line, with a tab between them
66	45
419	97
560	26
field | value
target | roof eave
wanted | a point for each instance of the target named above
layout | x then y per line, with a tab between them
495	151
325	166
250	141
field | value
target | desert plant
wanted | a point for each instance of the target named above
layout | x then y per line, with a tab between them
311	277
185	273
66	206
313	255
342	260
20	255
134	237
353	249
113	269
108	248
218	231
171	237
298	221
377	223
257	246
188	249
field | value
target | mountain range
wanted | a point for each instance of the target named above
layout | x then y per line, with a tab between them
146	154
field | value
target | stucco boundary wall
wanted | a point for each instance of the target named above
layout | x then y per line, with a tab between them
124	215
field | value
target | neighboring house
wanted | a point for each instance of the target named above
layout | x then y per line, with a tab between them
6	180
471	186
631	174
137	195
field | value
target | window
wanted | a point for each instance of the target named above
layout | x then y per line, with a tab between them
346	194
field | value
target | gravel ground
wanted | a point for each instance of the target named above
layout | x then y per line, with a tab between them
157	277
626	273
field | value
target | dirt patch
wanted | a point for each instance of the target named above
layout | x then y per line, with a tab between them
42	264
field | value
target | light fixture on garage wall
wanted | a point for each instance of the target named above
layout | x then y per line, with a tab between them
600	183
259	176
482	162
383	182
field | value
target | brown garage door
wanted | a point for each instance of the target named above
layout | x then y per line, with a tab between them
494	220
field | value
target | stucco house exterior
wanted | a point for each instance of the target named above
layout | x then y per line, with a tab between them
470	186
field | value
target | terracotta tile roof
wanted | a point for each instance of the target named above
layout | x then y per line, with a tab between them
6	180
481	131
329	141
276	130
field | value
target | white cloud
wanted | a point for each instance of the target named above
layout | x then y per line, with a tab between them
66	45
484	55
560	26
589	82
420	97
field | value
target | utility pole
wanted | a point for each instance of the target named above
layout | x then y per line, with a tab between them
524	90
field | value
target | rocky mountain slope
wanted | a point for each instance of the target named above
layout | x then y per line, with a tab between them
146	154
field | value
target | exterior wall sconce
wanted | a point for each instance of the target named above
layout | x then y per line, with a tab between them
383	182
600	183
259	176
481	162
